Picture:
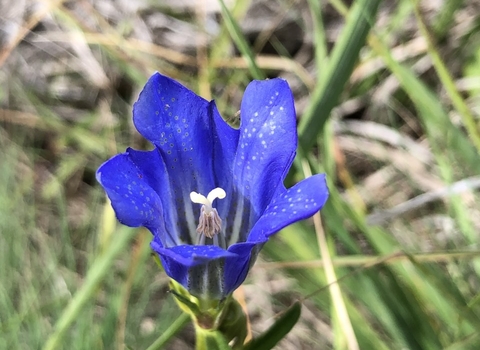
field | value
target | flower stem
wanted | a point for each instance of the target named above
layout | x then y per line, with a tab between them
210	340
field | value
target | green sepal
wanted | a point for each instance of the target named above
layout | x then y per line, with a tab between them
277	331
205	313
233	324
213	318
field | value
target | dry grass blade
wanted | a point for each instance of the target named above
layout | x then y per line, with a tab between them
381	217
363	262
34	19
336	294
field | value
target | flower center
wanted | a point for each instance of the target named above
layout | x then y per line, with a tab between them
209	223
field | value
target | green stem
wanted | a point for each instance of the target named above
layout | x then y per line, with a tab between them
210	340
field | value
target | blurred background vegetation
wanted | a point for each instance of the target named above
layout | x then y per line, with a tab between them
388	103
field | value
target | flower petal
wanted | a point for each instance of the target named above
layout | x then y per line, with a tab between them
209	271
236	270
225	141
178	122
152	169
135	202
196	144
200	269
268	140
297	203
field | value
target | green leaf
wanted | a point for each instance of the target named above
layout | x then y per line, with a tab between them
277	331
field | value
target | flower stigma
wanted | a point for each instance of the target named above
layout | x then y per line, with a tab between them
209	223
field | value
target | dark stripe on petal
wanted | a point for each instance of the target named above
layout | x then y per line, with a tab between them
206	279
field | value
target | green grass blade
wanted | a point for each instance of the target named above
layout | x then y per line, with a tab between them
445	17
321	50
447	81
436	121
241	42
341	63
176	326
97	272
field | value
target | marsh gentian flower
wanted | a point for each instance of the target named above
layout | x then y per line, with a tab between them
210	194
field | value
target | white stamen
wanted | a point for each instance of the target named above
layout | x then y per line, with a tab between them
216	193
209	222
208	201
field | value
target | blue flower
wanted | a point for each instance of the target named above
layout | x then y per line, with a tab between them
210	194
